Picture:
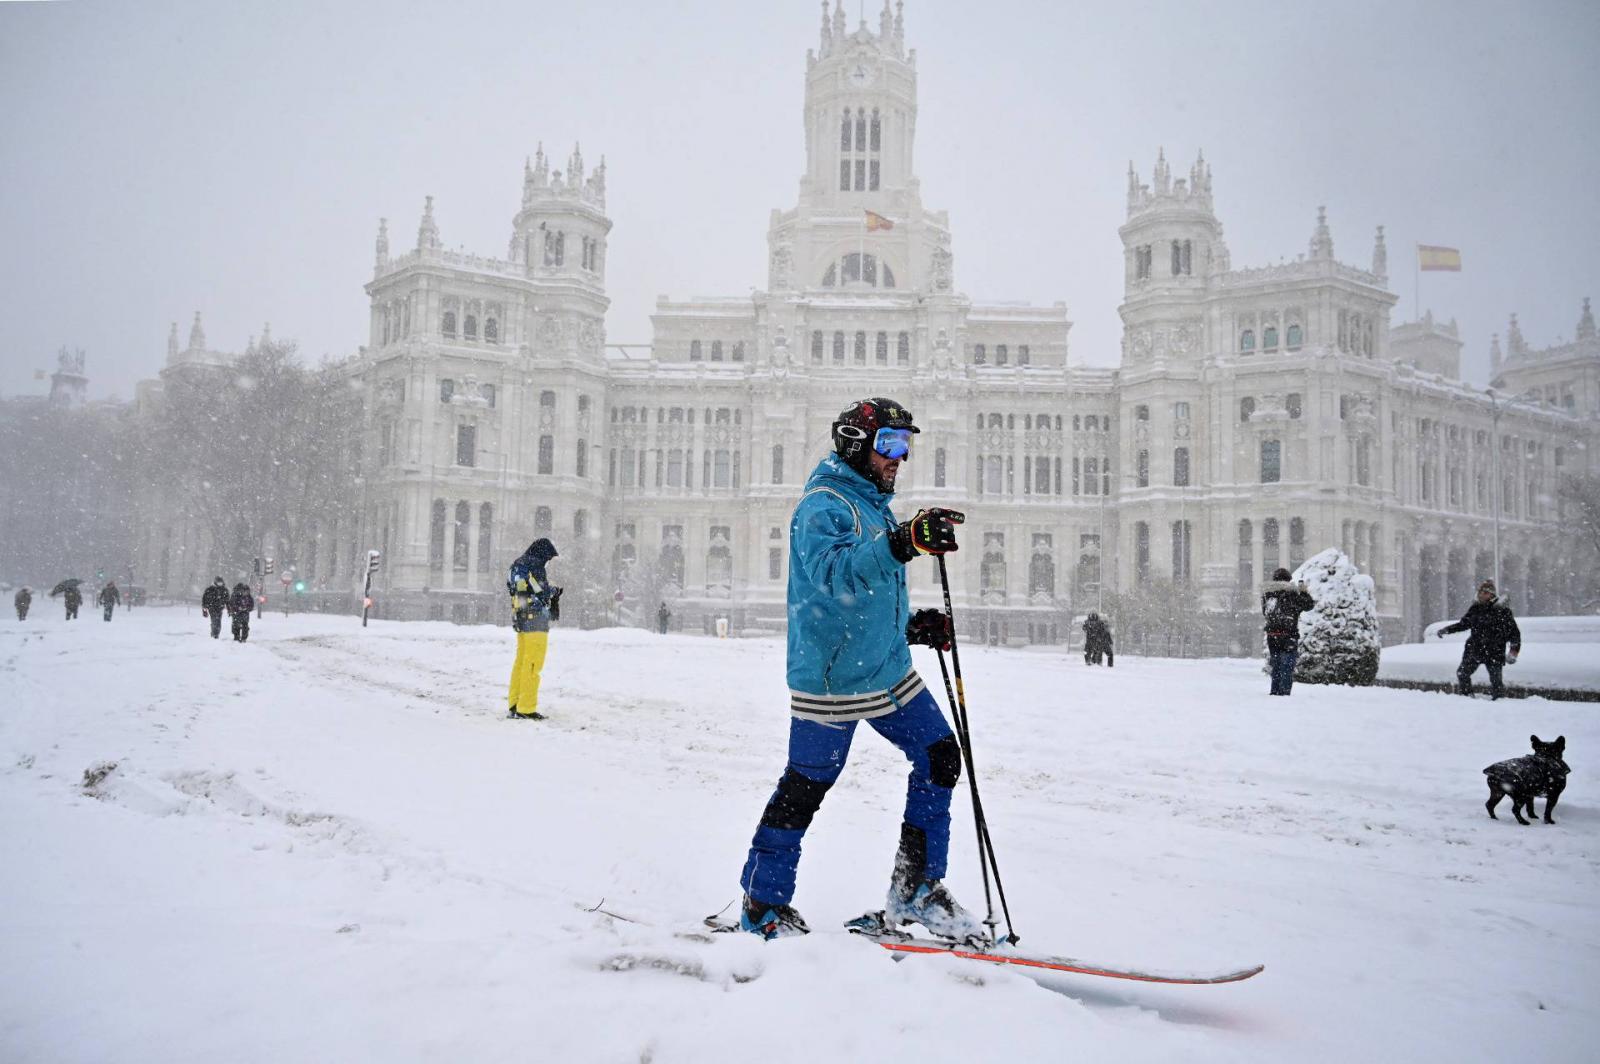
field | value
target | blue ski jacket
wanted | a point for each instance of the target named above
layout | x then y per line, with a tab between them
848	602
530	588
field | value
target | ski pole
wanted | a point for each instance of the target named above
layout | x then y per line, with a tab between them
986	843
977	808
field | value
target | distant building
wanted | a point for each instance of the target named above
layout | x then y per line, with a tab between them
1257	416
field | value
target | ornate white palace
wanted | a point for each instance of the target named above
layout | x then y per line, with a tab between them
1257	416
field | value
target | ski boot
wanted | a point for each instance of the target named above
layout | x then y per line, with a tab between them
512	714
770	921
915	899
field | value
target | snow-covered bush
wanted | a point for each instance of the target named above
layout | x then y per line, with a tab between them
1339	635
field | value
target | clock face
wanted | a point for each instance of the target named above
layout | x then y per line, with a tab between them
861	75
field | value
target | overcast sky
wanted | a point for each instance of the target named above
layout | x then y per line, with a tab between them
160	158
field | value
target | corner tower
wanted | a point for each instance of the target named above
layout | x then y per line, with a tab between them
1172	239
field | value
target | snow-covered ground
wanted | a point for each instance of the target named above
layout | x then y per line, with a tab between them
1557	653
329	845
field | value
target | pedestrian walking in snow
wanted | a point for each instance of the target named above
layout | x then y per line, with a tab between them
241	604
534	604
663	618
849	661
1492	625
1097	641
22	600
72	598
109	598
214	603
1282	603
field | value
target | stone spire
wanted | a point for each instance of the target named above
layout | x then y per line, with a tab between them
541	166
266	334
886	23
899	25
1162	178
1322	239
825	45
172	343
839	27
575	166
1494	353
1515	344
382	248
197	335
1586	322
1380	257
427	232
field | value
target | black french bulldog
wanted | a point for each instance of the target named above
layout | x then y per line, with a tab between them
1525	778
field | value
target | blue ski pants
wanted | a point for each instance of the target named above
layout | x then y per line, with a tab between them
817	753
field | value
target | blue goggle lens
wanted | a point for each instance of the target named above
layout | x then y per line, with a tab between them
894	444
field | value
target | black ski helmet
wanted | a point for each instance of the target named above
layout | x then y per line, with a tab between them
858	423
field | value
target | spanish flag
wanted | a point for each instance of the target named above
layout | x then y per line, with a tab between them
876	221
1433	258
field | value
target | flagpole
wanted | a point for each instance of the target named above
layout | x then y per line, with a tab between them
1416	282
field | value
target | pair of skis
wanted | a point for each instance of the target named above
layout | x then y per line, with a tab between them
874	928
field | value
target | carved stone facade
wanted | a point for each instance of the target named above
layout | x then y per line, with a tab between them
1258	415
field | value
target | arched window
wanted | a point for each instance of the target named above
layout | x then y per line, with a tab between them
547	455
1177	258
1292	341
695	353
1002	355
547	400
1141	552
861	129
1294	405
816	345
581	459
447	326
1041	574
716	350
1180	467
1246	569
1247	407
861	348
1247	340
777	463
1142	469
485	537
491	331
672	564
463	544
436	536
543	519
1270	554
844	131
738	350
980	354
561	249
881	349
877	138
1297	542
838	346
902	350
447	389
1186	258
469	327
1269	338
1141	413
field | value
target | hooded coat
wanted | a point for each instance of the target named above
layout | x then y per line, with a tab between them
530	589
848	601
215	599
243	600
1492	626
1282	603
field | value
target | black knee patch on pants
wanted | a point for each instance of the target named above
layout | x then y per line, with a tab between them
944	762
910	861
795	802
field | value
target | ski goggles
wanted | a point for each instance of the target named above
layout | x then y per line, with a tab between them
894	444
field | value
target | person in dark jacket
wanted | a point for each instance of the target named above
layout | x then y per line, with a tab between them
214	603
110	598
849	660
1282	603
1492	626
1097	641
23	599
241	604
663	618
73	598
534	604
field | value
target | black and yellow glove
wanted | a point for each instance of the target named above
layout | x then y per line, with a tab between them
931	531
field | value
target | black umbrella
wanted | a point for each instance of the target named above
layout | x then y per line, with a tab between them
70	581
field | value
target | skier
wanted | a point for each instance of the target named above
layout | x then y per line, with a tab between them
663	617
73	598
1492	625
534	604
213	603
109	597
848	661
241	604
1282	603
22	600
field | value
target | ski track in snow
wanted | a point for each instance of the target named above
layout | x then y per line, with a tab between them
330	844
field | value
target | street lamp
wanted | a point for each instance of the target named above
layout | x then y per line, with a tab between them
1496	487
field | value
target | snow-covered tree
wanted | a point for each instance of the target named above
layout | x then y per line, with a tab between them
1339	640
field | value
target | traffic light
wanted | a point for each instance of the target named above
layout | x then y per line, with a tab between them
100	574
258	567
372	560
269	566
299	587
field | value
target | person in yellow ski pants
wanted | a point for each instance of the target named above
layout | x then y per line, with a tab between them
534	604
